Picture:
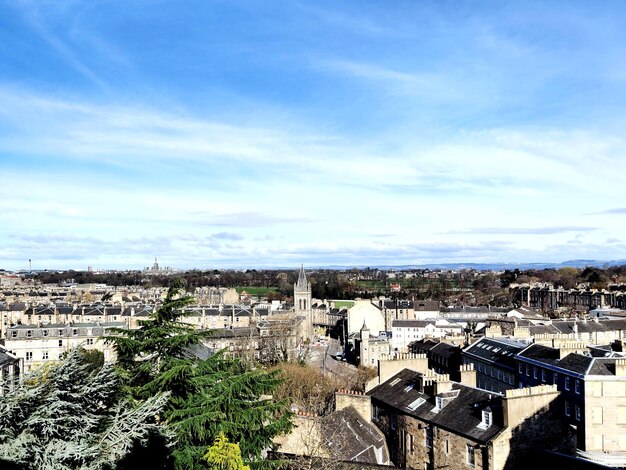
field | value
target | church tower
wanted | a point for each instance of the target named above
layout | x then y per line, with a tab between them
302	301
302	294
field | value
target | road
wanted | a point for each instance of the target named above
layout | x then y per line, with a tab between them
322	355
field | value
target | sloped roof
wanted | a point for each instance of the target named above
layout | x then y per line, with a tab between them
462	415
495	350
351	438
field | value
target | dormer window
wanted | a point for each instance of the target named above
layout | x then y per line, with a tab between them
487	418
439	403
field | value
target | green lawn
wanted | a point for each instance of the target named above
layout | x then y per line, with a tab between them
343	304
257	291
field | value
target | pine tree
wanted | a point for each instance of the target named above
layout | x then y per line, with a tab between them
207	396
74	416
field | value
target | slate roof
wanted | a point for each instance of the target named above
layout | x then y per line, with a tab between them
233	332
445	350
496	351
462	414
7	359
351	438
567	326
602	366
541	353
573	362
423	345
411	323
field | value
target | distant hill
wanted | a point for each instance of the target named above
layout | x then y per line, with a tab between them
575	263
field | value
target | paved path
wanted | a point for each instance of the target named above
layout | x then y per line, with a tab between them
322	355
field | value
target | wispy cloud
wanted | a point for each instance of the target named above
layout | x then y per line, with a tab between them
615	211
523	230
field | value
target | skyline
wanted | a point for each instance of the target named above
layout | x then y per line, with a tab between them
230	134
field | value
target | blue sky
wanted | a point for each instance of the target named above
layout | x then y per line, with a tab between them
253	134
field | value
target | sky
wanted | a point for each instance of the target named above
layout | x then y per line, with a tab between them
230	134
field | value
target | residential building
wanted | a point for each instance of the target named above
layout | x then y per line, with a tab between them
593	395
494	362
10	370
371	348
443	357
404	332
431	422
38	344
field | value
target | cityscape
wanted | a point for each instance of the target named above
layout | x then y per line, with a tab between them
312	235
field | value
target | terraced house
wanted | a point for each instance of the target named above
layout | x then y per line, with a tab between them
431	422
593	396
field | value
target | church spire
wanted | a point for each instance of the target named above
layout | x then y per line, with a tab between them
302	284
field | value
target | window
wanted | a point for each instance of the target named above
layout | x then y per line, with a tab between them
29	333
60	343
566	383
568	411
414	404
428	437
14	334
487	418
410	443
394	422
45	332
577	412
447	446
521	368
534	372
527	370
60	332
45	355
29	355
543	375
438	403
577	386
89	341
469	455
555	378
75	332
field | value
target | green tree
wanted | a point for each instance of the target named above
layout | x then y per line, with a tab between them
73	415
207	396
224	455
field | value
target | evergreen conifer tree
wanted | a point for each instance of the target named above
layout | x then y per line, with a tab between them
73	415
209	396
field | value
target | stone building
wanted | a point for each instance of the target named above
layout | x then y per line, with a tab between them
36	345
494	362
443	357
431	422
10	369
344	435
371	348
302	301
593	395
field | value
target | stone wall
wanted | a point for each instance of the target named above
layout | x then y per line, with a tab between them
388	366
360	401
